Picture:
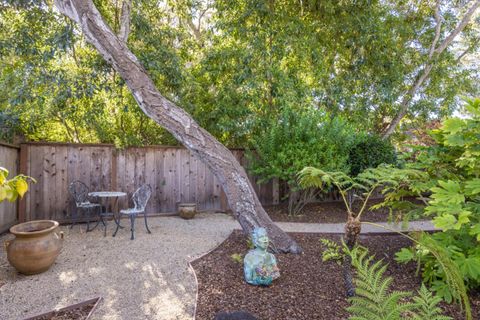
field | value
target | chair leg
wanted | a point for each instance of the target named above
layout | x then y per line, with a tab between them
89	215
132	225
104	226
74	216
116	230
146	225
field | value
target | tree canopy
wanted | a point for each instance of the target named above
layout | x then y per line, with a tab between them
235	66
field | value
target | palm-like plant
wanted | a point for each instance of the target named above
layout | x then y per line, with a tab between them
360	187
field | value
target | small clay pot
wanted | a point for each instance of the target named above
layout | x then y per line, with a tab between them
35	247
187	210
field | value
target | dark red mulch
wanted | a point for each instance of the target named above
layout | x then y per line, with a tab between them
78	313
307	289
325	212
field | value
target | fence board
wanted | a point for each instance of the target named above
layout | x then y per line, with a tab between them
173	173
9	156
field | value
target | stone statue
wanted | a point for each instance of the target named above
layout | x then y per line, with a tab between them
260	267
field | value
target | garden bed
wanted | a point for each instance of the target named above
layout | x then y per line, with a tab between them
78	311
325	212
307	289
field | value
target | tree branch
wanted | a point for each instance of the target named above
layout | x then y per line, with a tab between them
438	28
425	72
459	28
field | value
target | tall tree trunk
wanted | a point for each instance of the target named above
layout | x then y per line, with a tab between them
233	178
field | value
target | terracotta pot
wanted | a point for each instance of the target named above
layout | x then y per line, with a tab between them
35	247
187	210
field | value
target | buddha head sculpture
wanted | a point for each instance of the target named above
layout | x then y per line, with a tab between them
260	238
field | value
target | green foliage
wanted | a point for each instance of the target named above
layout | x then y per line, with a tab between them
236	257
370	151
11	189
374	299
453	202
441	268
332	251
234	65
298	139
363	185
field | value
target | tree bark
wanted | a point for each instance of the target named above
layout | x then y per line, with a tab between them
233	178
125	20
432	55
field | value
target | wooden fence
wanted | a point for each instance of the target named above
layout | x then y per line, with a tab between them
172	172
8	210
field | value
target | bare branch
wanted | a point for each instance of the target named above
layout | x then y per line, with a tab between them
459	28
424	73
438	28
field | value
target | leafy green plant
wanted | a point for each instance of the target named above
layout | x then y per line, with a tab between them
11	189
370	151
332	251
294	140
236	257
360	187
374	300
451	193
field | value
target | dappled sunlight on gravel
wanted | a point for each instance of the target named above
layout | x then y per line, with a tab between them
147	278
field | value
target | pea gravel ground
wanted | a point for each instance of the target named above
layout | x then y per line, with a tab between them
148	278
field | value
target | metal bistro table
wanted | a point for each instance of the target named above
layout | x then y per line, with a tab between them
107	195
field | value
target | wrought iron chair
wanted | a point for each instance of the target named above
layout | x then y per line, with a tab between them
79	192
140	198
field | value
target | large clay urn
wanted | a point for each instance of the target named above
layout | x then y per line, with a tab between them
35	247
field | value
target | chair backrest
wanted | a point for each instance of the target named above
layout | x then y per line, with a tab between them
79	191
140	197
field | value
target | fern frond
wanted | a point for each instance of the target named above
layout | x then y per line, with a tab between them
375	301
453	275
426	305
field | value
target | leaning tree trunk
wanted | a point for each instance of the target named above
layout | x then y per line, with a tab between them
233	178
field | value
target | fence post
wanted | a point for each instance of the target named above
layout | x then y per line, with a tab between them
113	173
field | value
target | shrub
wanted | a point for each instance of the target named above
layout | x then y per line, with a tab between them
369	151
298	139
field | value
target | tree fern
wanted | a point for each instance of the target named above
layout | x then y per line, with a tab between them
375	301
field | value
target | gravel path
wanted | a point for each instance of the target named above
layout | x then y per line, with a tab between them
147	278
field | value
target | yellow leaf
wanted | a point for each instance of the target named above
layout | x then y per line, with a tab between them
3	175
3	193
21	187
11	193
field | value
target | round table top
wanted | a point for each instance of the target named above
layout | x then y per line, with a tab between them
107	194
